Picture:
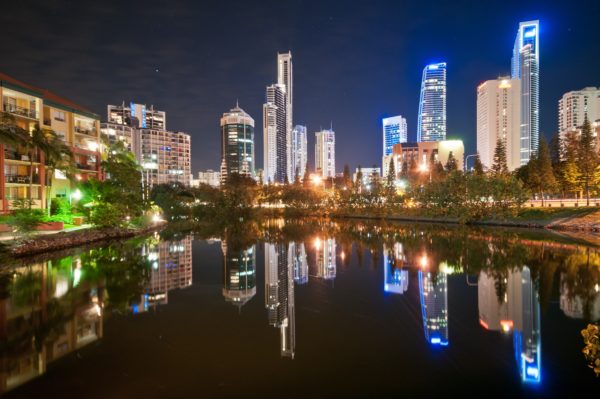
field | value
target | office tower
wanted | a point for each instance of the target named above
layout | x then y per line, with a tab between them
279	295
237	143
499	116
285	78
326	258
574	108
325	153
164	155
433	290
525	65
299	151
275	136
395	278
239	274
394	132
432	104
78	128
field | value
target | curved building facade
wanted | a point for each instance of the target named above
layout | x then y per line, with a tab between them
432	104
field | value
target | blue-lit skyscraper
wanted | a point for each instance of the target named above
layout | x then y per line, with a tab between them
525	65
432	104
394	132
395	277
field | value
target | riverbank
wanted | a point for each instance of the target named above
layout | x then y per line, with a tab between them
582	220
54	242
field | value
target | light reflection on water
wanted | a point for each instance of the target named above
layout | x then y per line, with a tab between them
54	307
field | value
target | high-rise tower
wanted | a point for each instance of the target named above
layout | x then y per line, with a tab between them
275	136
237	143
285	78
432	104
525	65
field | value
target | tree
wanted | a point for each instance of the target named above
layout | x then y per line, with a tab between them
359	179
478	167
347	178
391	176
58	156
569	175
451	164
545	171
499	166
10	133
588	158
306	178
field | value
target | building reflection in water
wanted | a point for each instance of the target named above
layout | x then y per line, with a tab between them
239	274
53	311
433	292
511	304
395	278
279	294
326	258
171	268
300	263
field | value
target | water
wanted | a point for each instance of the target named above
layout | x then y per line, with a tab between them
303	308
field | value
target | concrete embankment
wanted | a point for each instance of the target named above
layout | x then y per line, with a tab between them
53	242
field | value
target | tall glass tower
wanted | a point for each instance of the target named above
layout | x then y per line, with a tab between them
525	65
394	132
237	143
432	104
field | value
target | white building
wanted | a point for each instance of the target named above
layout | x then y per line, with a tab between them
574	107
285	79
498	116
325	152
210	177
299	151
368	175
394	132
164	155
275	137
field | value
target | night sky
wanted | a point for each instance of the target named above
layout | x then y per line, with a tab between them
354	62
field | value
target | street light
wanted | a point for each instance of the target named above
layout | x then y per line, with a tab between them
467	161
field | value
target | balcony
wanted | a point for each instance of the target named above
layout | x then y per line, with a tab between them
20	111
19	156
88	130
83	166
21	179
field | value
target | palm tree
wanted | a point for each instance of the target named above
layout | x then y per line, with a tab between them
58	157
10	133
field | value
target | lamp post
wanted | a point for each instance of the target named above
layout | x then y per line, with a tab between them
467	161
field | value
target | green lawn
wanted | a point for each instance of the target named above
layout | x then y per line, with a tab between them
555	213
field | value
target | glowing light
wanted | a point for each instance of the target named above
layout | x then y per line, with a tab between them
423	167
76	195
156	218
317	243
507	325
435	341
533	372
597	288
423	261
484	324
316	180
93	146
530	33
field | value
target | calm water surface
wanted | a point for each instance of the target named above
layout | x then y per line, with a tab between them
303	308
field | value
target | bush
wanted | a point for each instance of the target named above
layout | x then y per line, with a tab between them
25	220
591	350
109	215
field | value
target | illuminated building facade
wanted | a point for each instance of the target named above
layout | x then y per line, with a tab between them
423	152
285	78
326	258
394	132
574	108
525	65
299	262
275	135
237	143
299	151
325	153
164	155
498	117
75	125
431	124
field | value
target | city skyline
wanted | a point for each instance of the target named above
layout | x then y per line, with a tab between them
356	109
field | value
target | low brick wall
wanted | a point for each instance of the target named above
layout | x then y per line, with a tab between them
50	226
4	228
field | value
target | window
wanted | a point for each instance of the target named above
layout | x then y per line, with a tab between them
59	116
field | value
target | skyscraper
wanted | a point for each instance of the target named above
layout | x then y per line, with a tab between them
394	132
326	258
574	108
237	143
432	104
239	274
433	290
285	78
525	65
498	116
325	152
275	135
299	151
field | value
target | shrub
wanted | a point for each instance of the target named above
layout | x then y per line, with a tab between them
591	350
24	220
